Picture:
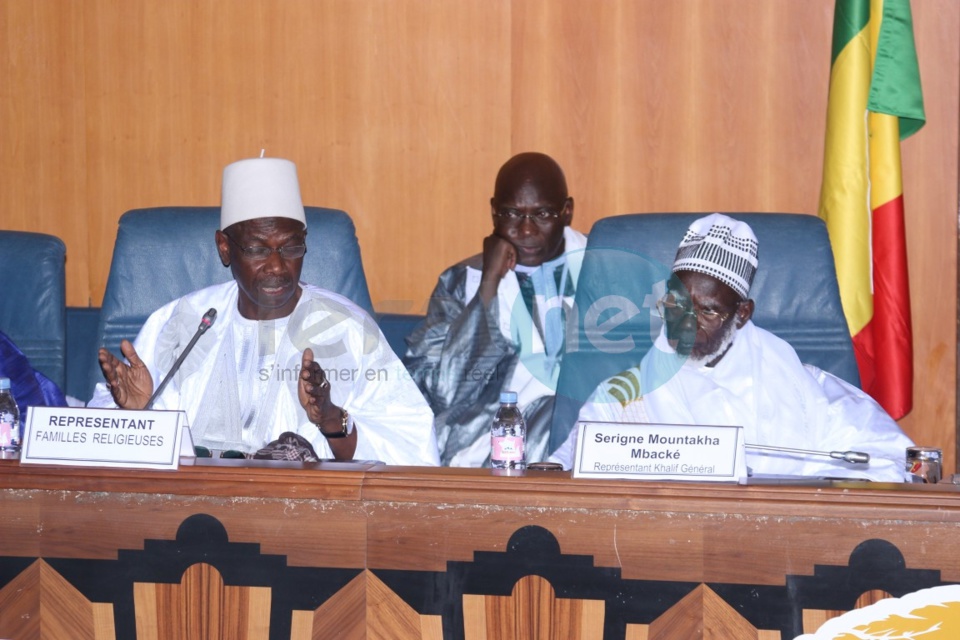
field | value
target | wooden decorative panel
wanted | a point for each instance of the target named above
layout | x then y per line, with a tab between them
814	618
701	615
389	617
551	557
201	608
40	603
342	614
531	611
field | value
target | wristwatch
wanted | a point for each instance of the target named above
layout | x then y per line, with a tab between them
345	424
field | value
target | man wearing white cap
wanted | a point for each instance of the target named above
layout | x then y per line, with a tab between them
283	355
711	365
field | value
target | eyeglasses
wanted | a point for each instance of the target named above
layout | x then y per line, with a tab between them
671	310
203	452
514	217
262	253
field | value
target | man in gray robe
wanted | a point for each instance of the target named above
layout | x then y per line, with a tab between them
496	320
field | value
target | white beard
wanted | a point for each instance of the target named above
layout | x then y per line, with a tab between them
729	333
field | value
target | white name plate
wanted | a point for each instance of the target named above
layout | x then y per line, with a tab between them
86	437
660	452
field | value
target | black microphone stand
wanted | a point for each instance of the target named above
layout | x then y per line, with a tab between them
205	323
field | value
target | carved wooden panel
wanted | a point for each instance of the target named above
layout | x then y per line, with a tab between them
554	557
40	603
201	608
532	610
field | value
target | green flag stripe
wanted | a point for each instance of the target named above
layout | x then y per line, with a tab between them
849	19
895	86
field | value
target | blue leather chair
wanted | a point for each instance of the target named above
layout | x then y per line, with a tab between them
166	252
82	323
33	313
795	291
396	327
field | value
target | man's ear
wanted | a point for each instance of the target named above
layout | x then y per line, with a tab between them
744	312
223	248
567	212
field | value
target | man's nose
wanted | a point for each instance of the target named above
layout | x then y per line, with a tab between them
527	226
690	321
274	262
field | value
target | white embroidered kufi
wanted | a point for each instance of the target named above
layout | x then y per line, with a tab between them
260	188
722	247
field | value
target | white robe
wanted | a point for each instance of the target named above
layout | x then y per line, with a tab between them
394	423
761	385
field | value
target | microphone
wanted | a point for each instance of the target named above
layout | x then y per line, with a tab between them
855	457
205	323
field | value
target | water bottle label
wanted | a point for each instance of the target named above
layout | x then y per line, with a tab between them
6	434
509	448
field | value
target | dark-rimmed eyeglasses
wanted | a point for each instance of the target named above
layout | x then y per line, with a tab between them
203	452
515	217
262	253
673	310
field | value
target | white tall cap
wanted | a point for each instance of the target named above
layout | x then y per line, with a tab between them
260	188
719	246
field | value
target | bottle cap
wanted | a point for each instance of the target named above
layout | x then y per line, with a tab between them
4	384
509	397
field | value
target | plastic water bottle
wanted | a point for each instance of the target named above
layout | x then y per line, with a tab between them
9	421
508	437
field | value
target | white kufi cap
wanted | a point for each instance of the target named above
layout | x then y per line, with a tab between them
722	247
260	188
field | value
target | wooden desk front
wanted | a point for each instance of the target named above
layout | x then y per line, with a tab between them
245	549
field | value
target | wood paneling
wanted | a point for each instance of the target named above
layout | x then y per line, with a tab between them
930	178
532	610
151	496
343	612
814	618
200	607
701	614
421	528
389	616
401	112
39	603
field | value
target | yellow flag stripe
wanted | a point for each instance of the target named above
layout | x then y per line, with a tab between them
886	181
845	196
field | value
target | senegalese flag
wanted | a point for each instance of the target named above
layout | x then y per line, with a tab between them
875	101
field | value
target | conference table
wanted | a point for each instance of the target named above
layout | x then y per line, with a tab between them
239	549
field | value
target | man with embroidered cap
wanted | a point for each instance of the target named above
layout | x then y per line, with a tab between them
711	365
283	355
496	321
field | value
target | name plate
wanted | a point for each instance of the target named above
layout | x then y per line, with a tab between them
660	452
86	437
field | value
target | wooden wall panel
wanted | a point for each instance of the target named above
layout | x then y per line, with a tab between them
930	176
43	129
401	112
390	111
679	106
